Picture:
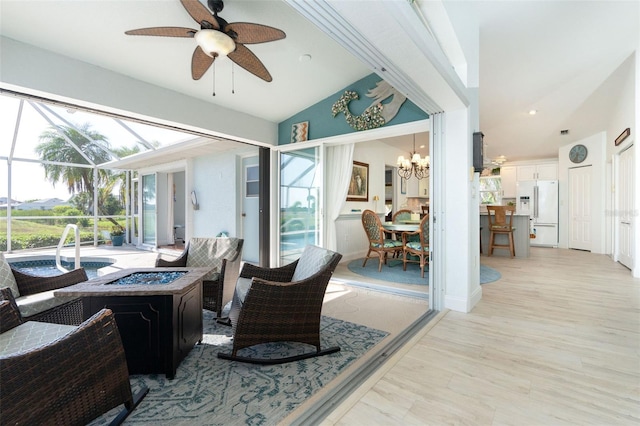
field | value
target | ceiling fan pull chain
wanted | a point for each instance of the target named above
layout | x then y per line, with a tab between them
233	79
214	79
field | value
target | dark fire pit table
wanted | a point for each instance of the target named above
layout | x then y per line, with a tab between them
158	312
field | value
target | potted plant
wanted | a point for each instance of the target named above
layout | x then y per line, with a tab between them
117	235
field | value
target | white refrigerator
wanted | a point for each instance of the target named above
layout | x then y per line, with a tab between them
539	199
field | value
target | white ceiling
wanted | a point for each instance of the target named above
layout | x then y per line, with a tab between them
548	55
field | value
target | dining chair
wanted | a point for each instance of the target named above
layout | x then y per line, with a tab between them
418	248
501	223
403	214
378	244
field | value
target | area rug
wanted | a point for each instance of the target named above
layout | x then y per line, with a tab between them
208	390
392	272
488	274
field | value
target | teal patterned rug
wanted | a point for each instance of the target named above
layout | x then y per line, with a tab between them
208	390
393	272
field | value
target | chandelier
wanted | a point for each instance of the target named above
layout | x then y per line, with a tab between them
414	165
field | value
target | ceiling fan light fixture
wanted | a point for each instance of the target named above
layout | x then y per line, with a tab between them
215	42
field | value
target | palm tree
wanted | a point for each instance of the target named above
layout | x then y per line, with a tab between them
55	148
64	145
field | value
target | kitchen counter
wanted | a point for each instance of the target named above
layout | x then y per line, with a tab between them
521	238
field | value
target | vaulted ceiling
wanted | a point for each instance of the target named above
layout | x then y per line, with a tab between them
566	59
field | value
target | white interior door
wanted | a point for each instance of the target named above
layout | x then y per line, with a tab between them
624	208
580	208
250	209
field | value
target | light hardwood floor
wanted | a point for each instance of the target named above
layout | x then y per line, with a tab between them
556	341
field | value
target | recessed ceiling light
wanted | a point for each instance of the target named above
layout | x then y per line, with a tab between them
304	58
533	111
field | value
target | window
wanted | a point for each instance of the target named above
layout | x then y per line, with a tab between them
490	190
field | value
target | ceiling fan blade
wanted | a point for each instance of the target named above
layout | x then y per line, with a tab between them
200	63
200	13
249	33
250	62
163	32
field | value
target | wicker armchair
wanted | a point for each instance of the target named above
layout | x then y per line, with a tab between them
282	305
223	255
70	380
378	244
35	294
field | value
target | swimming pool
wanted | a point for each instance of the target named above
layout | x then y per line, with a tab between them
46	266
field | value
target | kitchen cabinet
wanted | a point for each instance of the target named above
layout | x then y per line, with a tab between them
543	171
508	178
423	187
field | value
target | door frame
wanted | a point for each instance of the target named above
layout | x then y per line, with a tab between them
617	210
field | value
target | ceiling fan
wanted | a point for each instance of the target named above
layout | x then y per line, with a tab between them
217	37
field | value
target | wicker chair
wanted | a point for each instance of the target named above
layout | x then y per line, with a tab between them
282	305
69	380
378	244
224	256
46	307
419	248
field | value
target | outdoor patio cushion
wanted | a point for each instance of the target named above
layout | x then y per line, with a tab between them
30	335
33	304
6	277
209	252
313	258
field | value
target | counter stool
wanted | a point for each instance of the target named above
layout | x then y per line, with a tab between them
501	222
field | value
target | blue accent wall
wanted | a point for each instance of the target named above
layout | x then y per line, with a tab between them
322	124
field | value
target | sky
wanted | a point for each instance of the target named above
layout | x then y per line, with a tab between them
28	180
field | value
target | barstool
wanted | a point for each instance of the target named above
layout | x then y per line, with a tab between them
501	222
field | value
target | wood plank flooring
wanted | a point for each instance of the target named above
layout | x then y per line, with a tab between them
556	341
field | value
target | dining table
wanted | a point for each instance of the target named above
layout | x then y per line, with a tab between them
402	226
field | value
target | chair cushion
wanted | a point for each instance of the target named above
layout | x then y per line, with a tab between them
388	243
39	302
6	277
415	245
30	335
209	252
312	260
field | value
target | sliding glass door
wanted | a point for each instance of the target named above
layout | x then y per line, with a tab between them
149	210
300	202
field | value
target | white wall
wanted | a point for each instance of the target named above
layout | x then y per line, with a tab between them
36	71
214	180
459	217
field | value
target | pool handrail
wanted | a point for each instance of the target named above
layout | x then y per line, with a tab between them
61	244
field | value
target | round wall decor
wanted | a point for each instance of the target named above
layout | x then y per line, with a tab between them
578	154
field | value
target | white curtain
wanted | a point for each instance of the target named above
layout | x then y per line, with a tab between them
171	198
338	176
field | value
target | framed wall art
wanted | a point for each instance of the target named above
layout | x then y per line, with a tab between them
300	132
359	183
623	136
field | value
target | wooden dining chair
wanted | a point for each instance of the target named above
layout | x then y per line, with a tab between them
418	248
378	244
404	214
501	223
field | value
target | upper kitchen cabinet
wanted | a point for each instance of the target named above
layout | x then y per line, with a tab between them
542	171
508	178
423	187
